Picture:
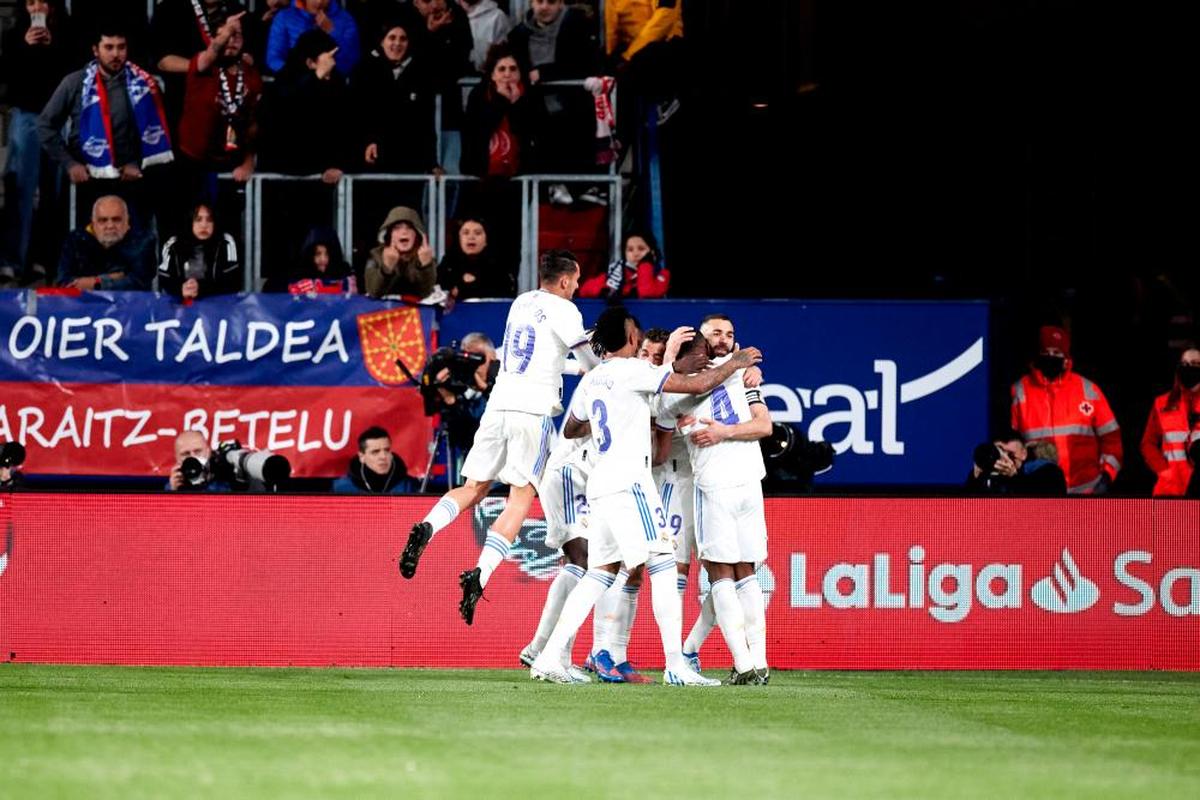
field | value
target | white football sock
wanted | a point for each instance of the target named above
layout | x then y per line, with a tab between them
618	633
607	608
443	513
703	627
560	588
668	610
579	603
495	550
732	622
754	610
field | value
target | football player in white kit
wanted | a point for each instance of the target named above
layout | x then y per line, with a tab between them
513	442
564	502
730	525
626	523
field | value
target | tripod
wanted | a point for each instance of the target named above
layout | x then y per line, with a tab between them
440	436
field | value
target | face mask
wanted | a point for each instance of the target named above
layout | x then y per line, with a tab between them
1189	375
1050	366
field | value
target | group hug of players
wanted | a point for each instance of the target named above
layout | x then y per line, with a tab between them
658	460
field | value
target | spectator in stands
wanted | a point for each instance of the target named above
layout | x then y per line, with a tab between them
1053	403
35	54
192	444
446	44
403	263
503	117
291	23
643	39
118	131
304	129
108	253
180	30
557	43
321	269
376	469
394	103
220	120
12	456
1005	466
1173	426
489	26
200	262
637	275
472	269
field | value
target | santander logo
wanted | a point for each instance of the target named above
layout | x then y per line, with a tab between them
1067	591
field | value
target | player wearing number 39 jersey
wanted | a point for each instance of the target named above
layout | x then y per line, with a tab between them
515	435
626	522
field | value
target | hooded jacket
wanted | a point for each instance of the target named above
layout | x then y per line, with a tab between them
410	277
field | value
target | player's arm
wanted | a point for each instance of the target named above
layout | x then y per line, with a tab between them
574	429
753	429
708	380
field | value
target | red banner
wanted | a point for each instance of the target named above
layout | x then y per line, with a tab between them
129	429
854	584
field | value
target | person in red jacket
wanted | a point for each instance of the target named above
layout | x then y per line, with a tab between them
1173	425
1053	403
637	275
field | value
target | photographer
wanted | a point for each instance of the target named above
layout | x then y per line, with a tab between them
196	474
12	455
1004	466
464	380
376	469
792	460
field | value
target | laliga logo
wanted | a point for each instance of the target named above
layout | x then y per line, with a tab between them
885	400
1065	594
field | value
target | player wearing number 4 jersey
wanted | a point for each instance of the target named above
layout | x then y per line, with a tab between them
731	533
625	523
514	438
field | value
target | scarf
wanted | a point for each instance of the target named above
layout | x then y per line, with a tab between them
607	146
95	121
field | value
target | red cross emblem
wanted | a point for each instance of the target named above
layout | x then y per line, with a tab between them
1086	408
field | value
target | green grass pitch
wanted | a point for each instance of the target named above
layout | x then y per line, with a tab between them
109	732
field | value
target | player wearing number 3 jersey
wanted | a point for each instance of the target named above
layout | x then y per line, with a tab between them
516	433
626	522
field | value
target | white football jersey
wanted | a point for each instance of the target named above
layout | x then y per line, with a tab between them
730	463
570	451
540	331
616	400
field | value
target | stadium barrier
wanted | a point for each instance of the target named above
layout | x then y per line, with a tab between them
851	584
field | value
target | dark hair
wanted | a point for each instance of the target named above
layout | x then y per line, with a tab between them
109	27
395	21
647	237
373	432
718	315
555	263
1007	435
58	14
326	237
656	335
609	335
308	46
495	53
691	344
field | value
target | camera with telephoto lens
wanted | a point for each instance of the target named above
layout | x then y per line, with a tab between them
986	455
238	466
460	370
196	474
792	459
12	454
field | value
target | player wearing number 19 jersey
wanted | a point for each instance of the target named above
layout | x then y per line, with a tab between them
516	433
626	522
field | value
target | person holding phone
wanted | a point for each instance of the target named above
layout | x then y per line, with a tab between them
403	263
35	54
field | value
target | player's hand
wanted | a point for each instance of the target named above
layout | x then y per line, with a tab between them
176	479
715	433
753	378
676	340
747	357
